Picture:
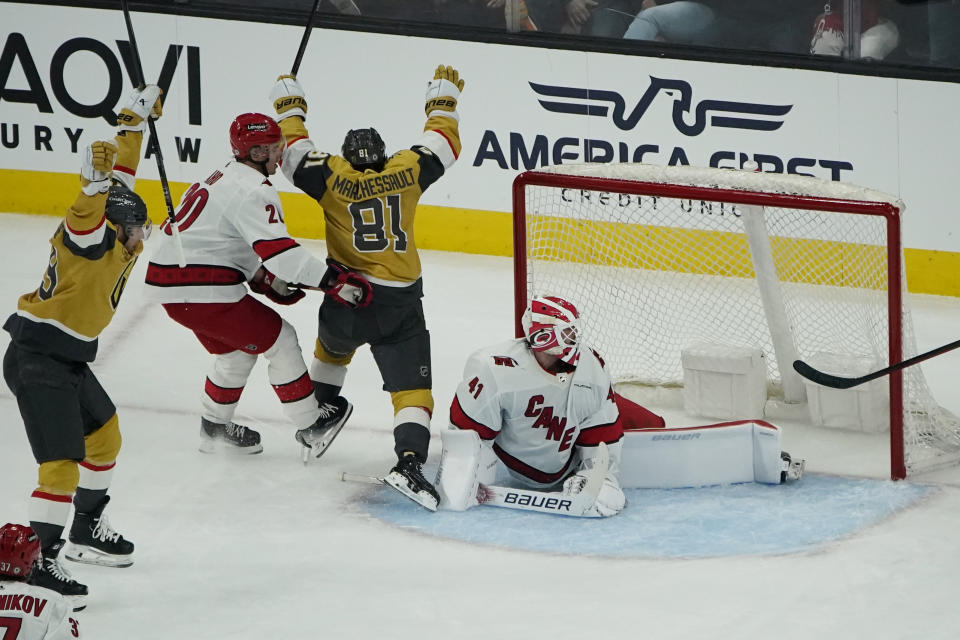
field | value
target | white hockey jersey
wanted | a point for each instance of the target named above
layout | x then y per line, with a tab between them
541	425
33	613
229	224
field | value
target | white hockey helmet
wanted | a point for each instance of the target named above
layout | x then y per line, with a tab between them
552	325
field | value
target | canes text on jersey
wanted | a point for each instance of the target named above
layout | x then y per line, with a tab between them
554	425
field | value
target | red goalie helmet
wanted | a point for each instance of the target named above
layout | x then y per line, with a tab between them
552	325
252	130
19	550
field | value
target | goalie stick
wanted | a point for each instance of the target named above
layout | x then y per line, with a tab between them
552	502
137	78
840	382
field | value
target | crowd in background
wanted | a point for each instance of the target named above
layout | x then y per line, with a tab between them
915	32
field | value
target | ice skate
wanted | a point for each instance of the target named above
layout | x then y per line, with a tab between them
93	540
790	469
230	437
50	574
317	438
407	478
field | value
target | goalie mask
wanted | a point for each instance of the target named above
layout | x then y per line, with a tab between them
552	325
364	149
19	550
126	209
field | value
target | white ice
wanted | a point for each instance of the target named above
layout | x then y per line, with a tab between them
263	547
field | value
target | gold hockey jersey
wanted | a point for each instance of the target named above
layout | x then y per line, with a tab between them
369	215
84	278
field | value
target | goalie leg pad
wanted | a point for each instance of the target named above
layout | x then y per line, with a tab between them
458	477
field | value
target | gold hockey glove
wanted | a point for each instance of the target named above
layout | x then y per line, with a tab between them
449	73
97	167
288	98
142	103
443	92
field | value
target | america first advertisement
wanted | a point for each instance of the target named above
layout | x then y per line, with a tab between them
64	72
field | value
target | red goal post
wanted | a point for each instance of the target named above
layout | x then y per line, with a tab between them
798	266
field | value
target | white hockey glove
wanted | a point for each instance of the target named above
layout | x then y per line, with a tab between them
610	500
288	98
443	92
141	103
97	167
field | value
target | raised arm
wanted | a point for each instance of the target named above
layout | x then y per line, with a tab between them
440	143
131	123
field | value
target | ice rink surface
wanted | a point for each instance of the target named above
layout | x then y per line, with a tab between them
263	547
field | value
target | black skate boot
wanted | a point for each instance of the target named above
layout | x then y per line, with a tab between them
316	438
790	469
50	574
407	478
93	540
230	437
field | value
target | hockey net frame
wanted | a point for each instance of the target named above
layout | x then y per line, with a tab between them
744	189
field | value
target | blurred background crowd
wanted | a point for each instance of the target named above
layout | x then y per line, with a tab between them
915	32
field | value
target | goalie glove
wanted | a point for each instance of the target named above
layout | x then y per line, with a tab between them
141	103
288	98
443	92
345	286
97	167
610	501
266	283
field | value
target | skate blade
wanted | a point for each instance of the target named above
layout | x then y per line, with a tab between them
78	603
422	498
218	446
88	555
321	447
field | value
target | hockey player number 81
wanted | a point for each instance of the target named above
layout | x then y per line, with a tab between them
371	235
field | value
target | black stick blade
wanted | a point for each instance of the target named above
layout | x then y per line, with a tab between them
824	379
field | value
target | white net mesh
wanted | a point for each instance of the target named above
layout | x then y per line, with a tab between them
653	275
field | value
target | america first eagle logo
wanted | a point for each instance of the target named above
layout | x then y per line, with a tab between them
717	113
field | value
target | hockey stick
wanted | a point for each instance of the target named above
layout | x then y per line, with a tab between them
138	81
838	382
304	39
552	502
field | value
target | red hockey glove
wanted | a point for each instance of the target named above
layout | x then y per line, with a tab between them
346	287
274	288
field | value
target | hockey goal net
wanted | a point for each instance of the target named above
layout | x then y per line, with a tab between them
659	258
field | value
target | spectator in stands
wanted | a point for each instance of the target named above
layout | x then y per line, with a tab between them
678	21
489	14
878	35
611	18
